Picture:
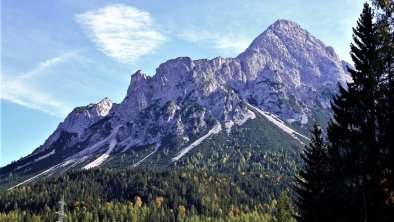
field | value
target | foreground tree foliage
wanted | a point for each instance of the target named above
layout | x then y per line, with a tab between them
385	34
360	139
358	183
312	181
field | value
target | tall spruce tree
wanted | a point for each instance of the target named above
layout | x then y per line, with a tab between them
312	180
384	10
354	151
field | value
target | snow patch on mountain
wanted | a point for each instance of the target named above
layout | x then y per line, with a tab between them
45	156
129	142
215	130
279	123
146	157
248	115
36	159
97	162
97	146
36	176
229	124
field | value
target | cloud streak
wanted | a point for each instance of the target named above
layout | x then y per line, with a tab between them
227	43
20	93
46	64
122	32
18	90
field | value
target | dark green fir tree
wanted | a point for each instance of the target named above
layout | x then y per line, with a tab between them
354	151
384	11
312	181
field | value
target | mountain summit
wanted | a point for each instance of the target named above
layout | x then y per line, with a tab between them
296	56
271	92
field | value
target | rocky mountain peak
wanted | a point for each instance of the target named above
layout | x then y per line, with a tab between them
104	106
136	79
288	53
78	121
100	109
138	76
83	116
285	72
174	70
282	31
285	55
284	25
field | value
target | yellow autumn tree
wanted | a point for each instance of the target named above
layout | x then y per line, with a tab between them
137	201
159	201
181	209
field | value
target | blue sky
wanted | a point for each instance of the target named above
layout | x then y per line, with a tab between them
56	55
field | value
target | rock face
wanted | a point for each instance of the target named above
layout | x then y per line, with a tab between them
295	67
286	73
77	121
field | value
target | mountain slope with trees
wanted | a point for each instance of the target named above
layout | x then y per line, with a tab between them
148	195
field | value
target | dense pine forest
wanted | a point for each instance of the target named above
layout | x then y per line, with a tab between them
346	171
148	195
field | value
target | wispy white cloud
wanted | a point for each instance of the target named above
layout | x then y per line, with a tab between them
232	44
46	64
225	42
20	93
122	32
52	61
18	90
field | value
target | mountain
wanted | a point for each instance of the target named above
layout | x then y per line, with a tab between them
250	113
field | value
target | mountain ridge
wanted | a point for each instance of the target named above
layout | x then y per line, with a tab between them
286	76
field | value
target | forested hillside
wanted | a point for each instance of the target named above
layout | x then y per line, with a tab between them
145	195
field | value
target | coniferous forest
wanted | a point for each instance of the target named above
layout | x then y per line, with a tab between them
346	174
148	195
